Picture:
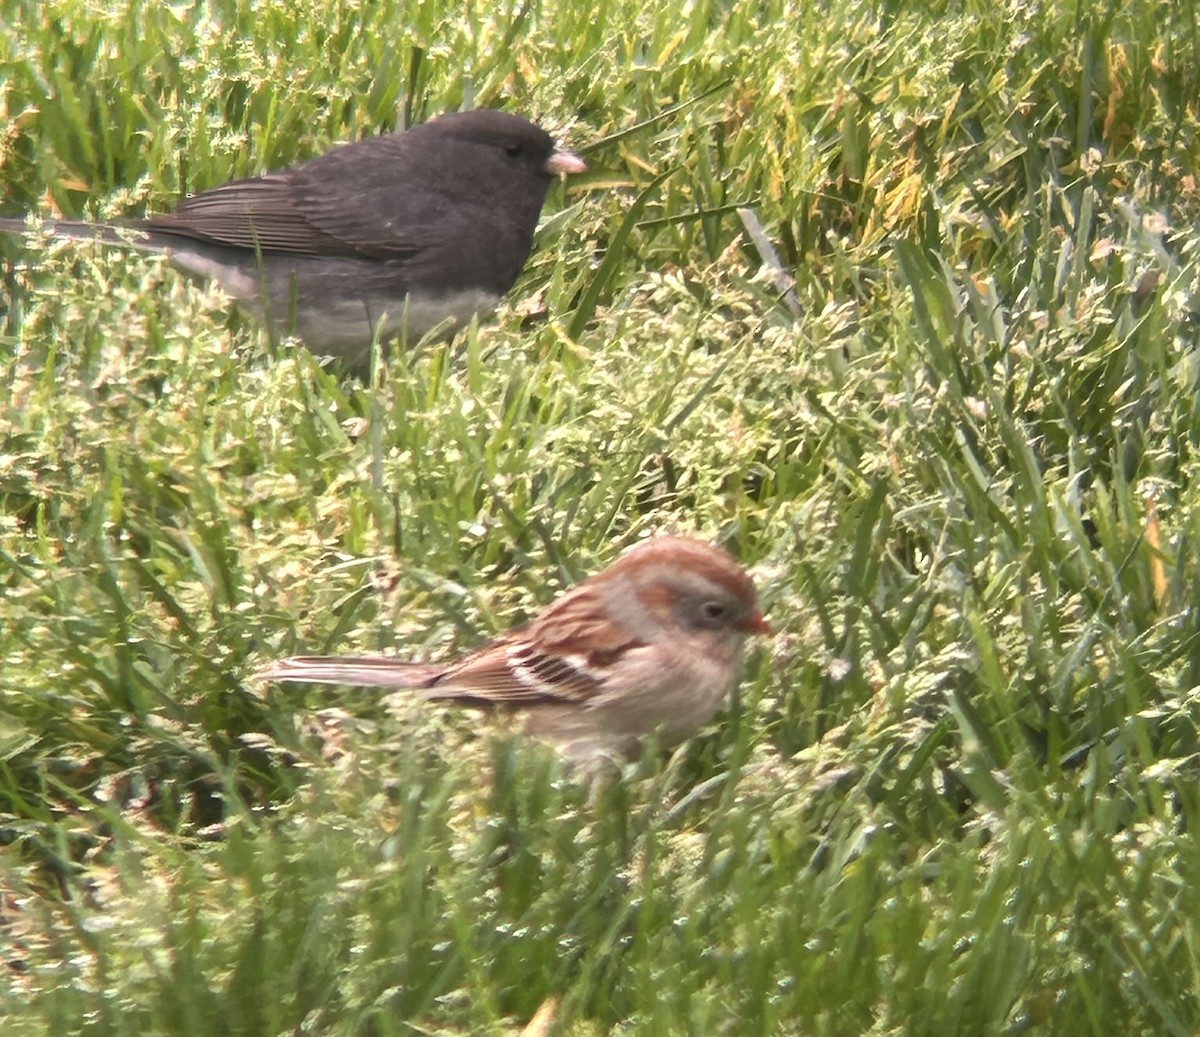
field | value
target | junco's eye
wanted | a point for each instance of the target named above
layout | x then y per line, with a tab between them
514	149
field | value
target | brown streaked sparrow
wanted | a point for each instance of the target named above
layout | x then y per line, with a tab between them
651	645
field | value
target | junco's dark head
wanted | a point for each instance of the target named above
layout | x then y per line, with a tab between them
405	232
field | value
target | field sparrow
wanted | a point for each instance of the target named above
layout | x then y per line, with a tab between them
651	645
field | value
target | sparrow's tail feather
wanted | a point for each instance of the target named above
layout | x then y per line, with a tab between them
376	671
82	230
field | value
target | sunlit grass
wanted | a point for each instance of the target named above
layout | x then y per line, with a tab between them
959	793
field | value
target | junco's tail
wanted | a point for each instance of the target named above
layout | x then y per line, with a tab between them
375	671
82	230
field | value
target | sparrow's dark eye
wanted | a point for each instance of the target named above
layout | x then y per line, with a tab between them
714	611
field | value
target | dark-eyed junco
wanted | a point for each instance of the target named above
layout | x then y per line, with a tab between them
407	231
650	645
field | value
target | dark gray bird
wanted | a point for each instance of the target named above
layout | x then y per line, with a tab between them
405	232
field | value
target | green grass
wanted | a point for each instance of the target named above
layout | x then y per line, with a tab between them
960	792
